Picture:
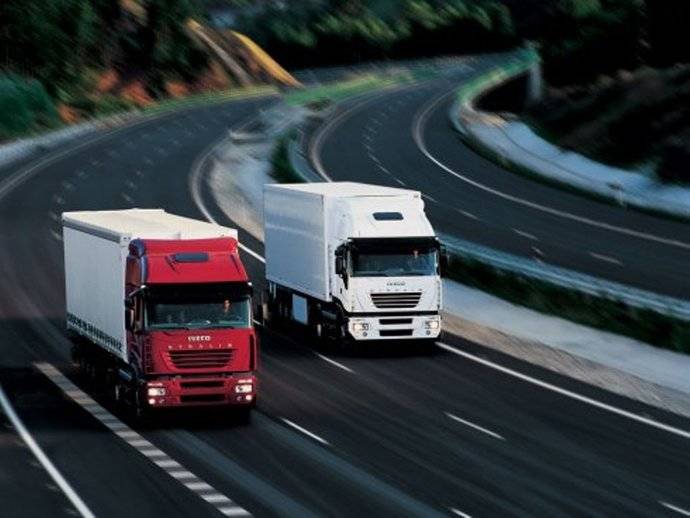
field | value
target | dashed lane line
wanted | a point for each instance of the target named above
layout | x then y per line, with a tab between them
335	363
685	434
524	234
156	456
418	125
606	258
306	432
474	426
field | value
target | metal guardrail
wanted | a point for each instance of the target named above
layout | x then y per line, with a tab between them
569	279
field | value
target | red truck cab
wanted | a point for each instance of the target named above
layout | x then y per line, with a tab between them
189	326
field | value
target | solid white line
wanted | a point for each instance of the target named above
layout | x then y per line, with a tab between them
458	512
475	426
525	234
674	508
335	363
155	455
564	392
417	133
305	431
57	477
430	198
606	258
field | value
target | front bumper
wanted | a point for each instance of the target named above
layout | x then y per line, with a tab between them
383	327
201	391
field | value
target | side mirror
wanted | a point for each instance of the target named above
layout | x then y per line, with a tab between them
129	319
339	265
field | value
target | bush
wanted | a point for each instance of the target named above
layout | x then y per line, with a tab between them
598	312
24	106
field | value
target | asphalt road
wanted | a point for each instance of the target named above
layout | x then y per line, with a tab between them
405	139
460	429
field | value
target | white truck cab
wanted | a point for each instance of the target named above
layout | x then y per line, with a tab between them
355	261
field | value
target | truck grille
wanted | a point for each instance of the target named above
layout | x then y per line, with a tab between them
396	300
201	359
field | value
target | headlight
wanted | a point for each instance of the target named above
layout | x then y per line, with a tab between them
358	327
155	391
432	324
243	389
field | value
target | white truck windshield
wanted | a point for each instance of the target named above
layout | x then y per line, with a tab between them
394	262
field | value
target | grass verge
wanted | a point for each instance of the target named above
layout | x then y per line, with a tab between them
608	315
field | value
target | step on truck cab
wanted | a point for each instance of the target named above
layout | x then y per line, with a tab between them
352	261
159	307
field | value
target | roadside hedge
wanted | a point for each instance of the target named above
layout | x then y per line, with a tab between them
24	106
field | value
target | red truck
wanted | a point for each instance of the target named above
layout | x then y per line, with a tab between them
159	309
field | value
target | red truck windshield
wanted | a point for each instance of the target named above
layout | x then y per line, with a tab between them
193	307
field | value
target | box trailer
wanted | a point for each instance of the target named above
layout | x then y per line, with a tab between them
352	261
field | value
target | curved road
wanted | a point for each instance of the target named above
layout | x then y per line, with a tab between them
406	139
464	431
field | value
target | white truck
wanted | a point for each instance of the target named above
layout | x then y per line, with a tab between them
352	261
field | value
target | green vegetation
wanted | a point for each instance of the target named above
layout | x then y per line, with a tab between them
602	313
633	118
281	168
347	31
340	90
56	52
25	106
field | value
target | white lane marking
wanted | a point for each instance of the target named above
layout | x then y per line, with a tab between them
195	189
475	426
468	215
56	235
458	512
157	456
564	392
127	198
430	198
374	157
606	258
182	474
675	508
233	511
368	147
417	133
335	363
525	234
399	181
305	431
28	439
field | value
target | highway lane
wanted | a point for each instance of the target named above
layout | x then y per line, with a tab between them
389	443
407	140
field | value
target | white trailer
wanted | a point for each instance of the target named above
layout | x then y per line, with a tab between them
353	260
